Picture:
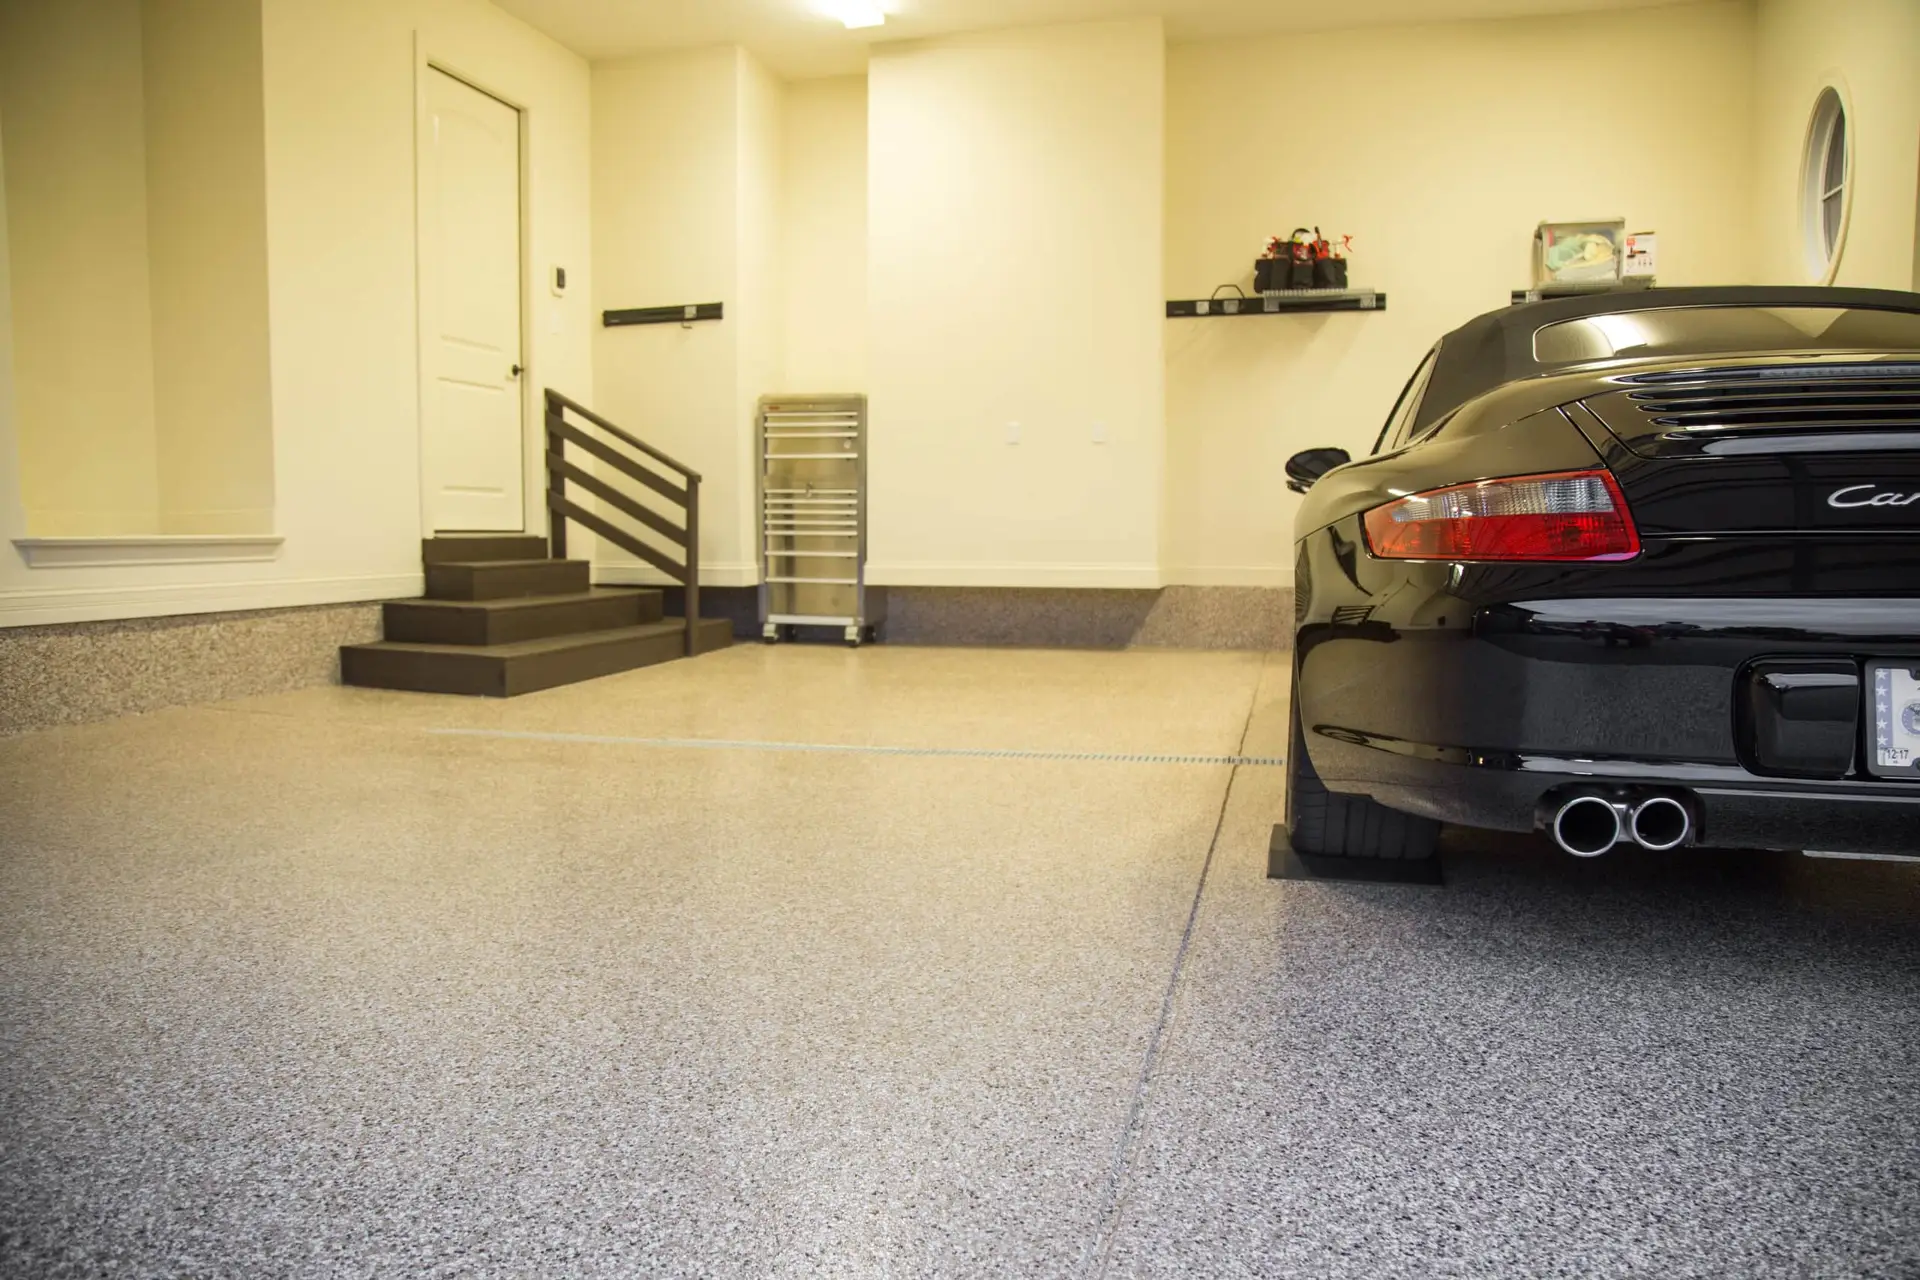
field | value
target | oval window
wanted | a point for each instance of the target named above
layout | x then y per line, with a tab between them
1824	185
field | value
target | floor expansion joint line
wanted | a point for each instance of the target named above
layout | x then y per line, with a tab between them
1098	1256
854	748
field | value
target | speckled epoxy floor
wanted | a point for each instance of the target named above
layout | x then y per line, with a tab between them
294	986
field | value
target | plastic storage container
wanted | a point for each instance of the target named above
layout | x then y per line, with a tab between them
1579	252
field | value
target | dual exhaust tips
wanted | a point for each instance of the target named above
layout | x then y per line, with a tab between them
1588	825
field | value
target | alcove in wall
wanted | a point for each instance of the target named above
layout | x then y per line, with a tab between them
133	144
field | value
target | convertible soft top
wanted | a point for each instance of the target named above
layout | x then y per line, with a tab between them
1497	348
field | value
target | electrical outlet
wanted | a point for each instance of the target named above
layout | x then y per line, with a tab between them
1013	433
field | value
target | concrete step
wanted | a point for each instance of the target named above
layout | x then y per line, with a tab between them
506	670
505	579
517	618
449	548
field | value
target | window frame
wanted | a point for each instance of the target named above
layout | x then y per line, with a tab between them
1826	204
1411	394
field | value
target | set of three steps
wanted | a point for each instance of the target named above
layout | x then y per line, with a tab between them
500	619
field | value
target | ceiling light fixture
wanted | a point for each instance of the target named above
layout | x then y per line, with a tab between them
855	13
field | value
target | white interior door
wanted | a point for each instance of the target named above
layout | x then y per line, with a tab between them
471	403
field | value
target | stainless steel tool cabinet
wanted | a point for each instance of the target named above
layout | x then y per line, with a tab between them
813	518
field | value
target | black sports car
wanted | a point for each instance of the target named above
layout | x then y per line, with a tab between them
1630	567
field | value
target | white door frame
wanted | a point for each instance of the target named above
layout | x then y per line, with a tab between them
532	410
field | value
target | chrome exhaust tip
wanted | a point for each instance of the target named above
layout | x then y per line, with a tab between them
1660	823
1587	826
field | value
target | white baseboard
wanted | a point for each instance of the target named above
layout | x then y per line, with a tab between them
627	573
1230	575
41	607
145	549
1082	576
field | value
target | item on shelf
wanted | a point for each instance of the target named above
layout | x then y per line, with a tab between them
1304	260
1639	260
1269	274
1300	259
1578	252
1329	263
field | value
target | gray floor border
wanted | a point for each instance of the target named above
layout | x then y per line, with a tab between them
863	749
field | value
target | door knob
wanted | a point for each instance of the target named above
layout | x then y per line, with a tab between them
514	372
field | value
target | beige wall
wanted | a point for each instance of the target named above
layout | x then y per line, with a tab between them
981	232
1870	49
341	90
72	134
1014	274
135	141
760	284
340	116
824	238
206	188
676	143
1438	148
13	507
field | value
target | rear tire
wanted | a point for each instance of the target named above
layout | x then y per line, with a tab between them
1324	822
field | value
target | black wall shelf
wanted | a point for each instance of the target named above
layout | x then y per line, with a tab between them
1543	292
662	315
1274	304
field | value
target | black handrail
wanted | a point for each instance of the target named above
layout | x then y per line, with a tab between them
686	495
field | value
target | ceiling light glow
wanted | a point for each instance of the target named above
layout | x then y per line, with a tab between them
854	13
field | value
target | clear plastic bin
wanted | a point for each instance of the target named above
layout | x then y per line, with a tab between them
1578	252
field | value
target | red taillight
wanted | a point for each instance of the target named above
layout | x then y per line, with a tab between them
1568	515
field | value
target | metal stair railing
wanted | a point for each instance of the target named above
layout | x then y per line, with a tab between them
679	486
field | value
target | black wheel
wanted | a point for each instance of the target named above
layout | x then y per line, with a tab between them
1325	822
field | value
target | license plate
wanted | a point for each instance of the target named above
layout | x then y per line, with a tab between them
1896	720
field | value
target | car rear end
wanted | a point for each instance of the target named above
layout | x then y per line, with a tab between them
1745	673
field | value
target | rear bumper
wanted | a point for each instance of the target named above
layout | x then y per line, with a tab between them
1734	808
1473	715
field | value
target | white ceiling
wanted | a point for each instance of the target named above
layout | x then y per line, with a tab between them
792	38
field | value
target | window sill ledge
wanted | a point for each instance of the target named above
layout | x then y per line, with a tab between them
148	549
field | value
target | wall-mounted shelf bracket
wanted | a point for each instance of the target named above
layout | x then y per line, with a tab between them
1581	289
1282	302
687	314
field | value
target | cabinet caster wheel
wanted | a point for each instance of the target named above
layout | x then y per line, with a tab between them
769	634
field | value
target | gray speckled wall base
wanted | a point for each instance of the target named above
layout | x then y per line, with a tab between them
1170	618
1219	618
87	671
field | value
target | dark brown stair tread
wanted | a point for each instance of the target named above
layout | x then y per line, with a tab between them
526	648
533	602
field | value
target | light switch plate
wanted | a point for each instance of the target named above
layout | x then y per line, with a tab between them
1013	433
1099	433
